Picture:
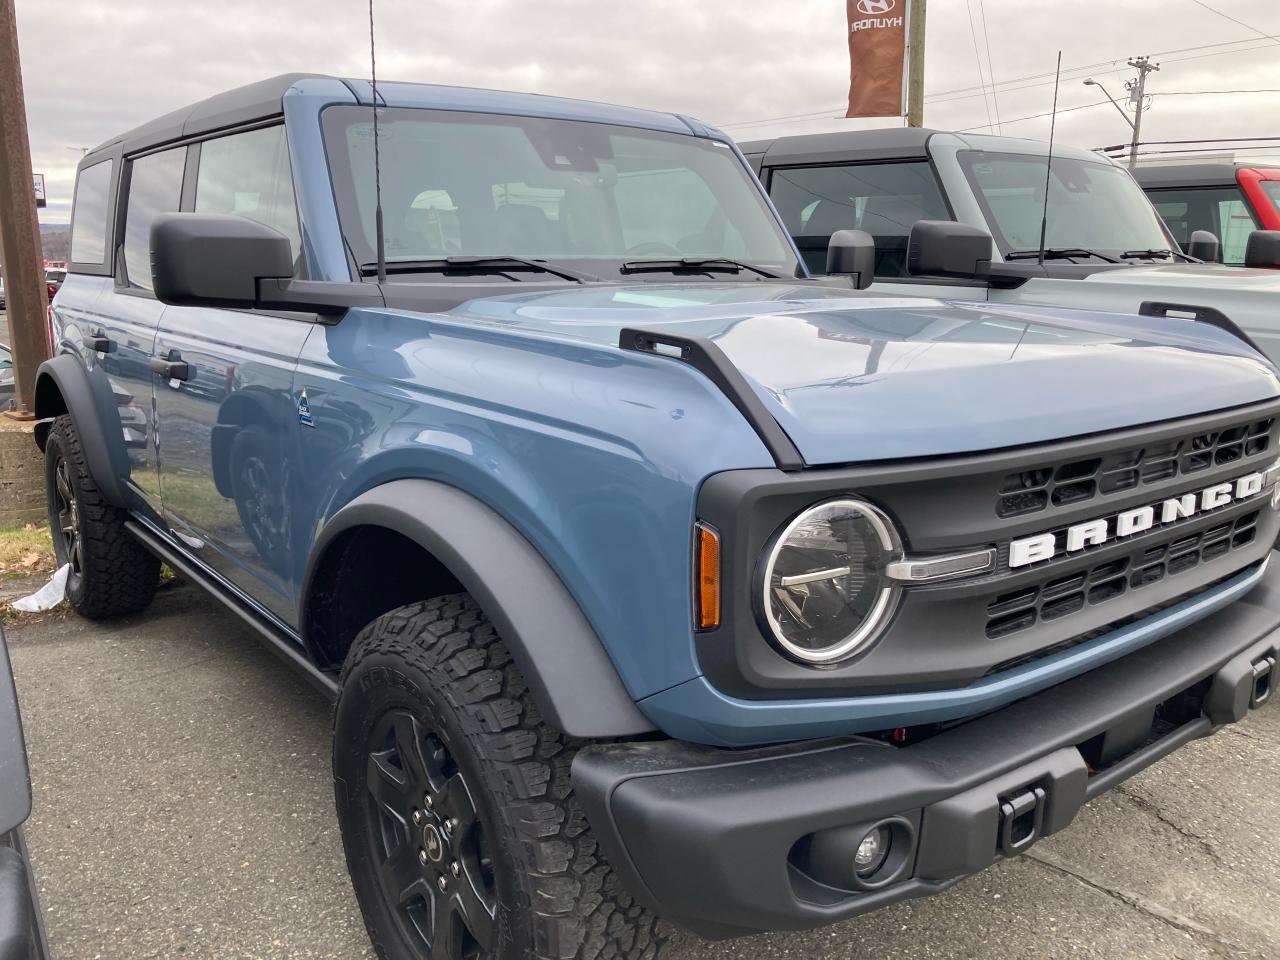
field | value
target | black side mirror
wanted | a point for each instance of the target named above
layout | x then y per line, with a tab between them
1204	245
852	253
944	248
1263	249
215	260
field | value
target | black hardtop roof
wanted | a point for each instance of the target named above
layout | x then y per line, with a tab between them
881	144
1208	174
253	101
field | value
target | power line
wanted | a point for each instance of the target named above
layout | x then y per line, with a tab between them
1227	16
1037	116
1017	84
977	57
991	72
1202	93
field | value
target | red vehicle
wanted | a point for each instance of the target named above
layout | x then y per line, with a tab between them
1229	199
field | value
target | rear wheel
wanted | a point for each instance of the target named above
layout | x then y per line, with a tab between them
462	834
111	572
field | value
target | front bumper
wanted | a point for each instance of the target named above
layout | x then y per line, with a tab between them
724	842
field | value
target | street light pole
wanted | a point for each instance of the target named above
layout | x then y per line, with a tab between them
1094	83
915	64
26	296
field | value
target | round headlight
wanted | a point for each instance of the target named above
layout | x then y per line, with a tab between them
824	594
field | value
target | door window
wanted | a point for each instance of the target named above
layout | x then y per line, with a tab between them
884	199
1221	211
247	174
89	214
155	187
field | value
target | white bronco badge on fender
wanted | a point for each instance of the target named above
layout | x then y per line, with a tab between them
1044	546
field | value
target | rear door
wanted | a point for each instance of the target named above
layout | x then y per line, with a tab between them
229	428
129	313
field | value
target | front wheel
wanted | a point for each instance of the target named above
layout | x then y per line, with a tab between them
111	572
462	834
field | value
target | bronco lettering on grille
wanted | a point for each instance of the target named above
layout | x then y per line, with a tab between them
1044	546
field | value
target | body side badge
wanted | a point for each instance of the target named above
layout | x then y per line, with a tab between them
304	410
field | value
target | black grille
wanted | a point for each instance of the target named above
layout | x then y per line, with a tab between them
1062	596
1032	490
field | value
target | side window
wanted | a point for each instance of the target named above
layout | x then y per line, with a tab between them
884	199
155	187
1220	210
247	174
89	214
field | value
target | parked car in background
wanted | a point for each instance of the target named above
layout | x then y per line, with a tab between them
651	577
981	200
1230	200
21	926
6	376
54	276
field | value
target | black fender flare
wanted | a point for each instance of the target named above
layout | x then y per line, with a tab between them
564	663
92	407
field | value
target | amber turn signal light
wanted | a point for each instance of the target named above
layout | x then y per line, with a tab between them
706	566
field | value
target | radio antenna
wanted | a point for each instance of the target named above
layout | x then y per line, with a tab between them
380	239
1048	170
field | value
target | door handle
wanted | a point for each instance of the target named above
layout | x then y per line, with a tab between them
172	367
98	342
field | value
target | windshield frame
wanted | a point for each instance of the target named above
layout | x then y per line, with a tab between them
965	160
334	118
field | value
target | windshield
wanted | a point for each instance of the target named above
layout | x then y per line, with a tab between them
581	195
1092	205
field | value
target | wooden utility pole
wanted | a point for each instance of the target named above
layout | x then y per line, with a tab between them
915	65
25	294
1137	94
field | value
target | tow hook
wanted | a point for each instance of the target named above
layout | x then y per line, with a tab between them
1021	820
1263	671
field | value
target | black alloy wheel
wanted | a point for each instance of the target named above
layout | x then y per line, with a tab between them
68	516
428	843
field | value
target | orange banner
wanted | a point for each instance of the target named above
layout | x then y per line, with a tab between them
877	57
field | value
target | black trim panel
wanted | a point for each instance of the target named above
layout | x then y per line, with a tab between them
709	360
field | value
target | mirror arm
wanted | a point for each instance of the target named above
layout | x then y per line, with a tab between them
330	298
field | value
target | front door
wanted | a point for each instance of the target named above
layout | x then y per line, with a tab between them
228	417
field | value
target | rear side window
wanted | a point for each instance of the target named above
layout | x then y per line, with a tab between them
1220	210
155	187
89	214
247	174
884	199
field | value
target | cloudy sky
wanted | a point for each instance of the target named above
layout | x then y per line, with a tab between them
92	69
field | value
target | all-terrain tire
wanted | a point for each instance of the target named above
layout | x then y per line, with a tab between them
556	897
112	573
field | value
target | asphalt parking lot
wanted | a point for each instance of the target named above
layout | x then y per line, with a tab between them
183	809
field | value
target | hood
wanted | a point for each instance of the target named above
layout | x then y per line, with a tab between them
855	378
1195	277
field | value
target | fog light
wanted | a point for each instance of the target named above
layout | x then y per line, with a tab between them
872	852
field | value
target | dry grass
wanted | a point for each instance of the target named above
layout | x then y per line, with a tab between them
25	551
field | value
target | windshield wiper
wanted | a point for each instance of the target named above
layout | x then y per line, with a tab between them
493	264
1060	253
1146	254
695	264
1157	254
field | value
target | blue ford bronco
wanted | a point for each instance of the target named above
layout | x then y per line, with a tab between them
653	580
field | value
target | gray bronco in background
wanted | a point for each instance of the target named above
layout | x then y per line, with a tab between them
957	215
